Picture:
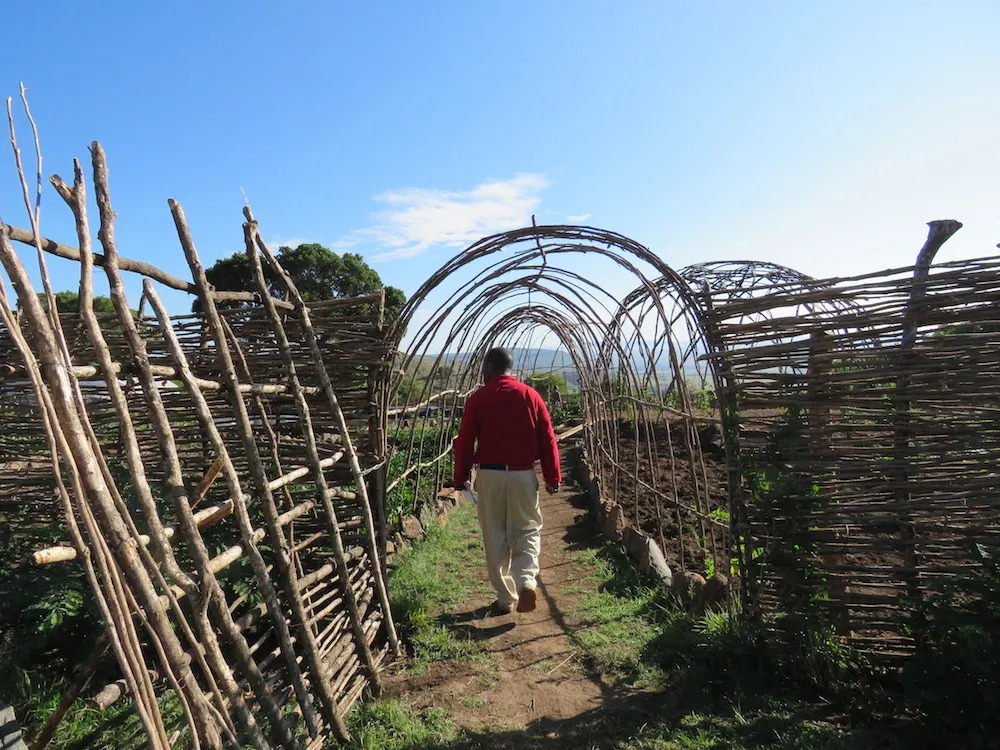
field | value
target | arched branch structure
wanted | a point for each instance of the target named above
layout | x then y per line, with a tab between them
662	318
600	362
726	283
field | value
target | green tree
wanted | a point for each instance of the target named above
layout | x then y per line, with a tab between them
69	302
318	272
551	385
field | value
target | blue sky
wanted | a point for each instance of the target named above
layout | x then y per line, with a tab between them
821	135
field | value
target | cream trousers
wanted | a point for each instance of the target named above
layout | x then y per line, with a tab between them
511	520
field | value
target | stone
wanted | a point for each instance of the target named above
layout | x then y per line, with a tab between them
689	586
412	528
443	510
656	564
427	514
716	590
594	490
613	526
635	542
648	557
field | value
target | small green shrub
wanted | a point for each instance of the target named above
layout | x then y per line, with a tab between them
954	678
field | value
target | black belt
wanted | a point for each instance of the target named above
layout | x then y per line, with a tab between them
505	467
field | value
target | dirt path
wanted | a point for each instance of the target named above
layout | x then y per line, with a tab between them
530	670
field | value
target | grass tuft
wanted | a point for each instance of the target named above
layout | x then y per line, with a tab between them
437	574
392	725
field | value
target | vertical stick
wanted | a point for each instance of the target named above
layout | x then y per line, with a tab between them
75	197
741	536
259	478
939	233
379	395
210	592
324	378
240	510
114	611
312	454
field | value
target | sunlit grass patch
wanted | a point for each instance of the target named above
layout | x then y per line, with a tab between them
393	725
437	576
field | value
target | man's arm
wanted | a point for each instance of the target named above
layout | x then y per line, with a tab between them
465	442
547	444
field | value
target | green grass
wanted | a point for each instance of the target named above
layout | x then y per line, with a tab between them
390	725
85	726
776	730
434	577
718	680
620	616
674	681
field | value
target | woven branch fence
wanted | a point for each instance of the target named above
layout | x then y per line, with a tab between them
861	417
846	468
214	475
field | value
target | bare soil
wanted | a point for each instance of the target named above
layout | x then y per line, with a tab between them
672	473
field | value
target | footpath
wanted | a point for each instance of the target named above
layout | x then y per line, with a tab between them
530	671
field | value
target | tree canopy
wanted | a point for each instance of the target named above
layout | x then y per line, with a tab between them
69	302
318	272
551	385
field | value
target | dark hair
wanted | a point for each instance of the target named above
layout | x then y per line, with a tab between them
499	360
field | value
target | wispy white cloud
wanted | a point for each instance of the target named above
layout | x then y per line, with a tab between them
418	218
577	218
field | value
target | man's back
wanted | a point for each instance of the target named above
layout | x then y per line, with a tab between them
513	428
509	421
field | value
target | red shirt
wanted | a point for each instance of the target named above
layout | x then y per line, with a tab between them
513	427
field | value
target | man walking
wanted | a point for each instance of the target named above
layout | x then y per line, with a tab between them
511	426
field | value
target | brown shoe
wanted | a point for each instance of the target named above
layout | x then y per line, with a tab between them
526	600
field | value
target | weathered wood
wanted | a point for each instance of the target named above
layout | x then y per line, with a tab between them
247	531
316	464
323	375
259	479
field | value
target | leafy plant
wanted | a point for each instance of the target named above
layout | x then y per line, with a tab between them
568	408
56	607
954	678
704	400
422	485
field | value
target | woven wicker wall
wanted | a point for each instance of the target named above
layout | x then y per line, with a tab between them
862	418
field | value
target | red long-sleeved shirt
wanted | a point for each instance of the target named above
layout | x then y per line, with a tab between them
513	427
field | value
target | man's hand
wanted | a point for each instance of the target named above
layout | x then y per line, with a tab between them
552	488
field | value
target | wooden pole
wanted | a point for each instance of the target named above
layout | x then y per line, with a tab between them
322	488
259	476
323	375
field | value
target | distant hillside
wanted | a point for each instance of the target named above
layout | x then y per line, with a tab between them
527	361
